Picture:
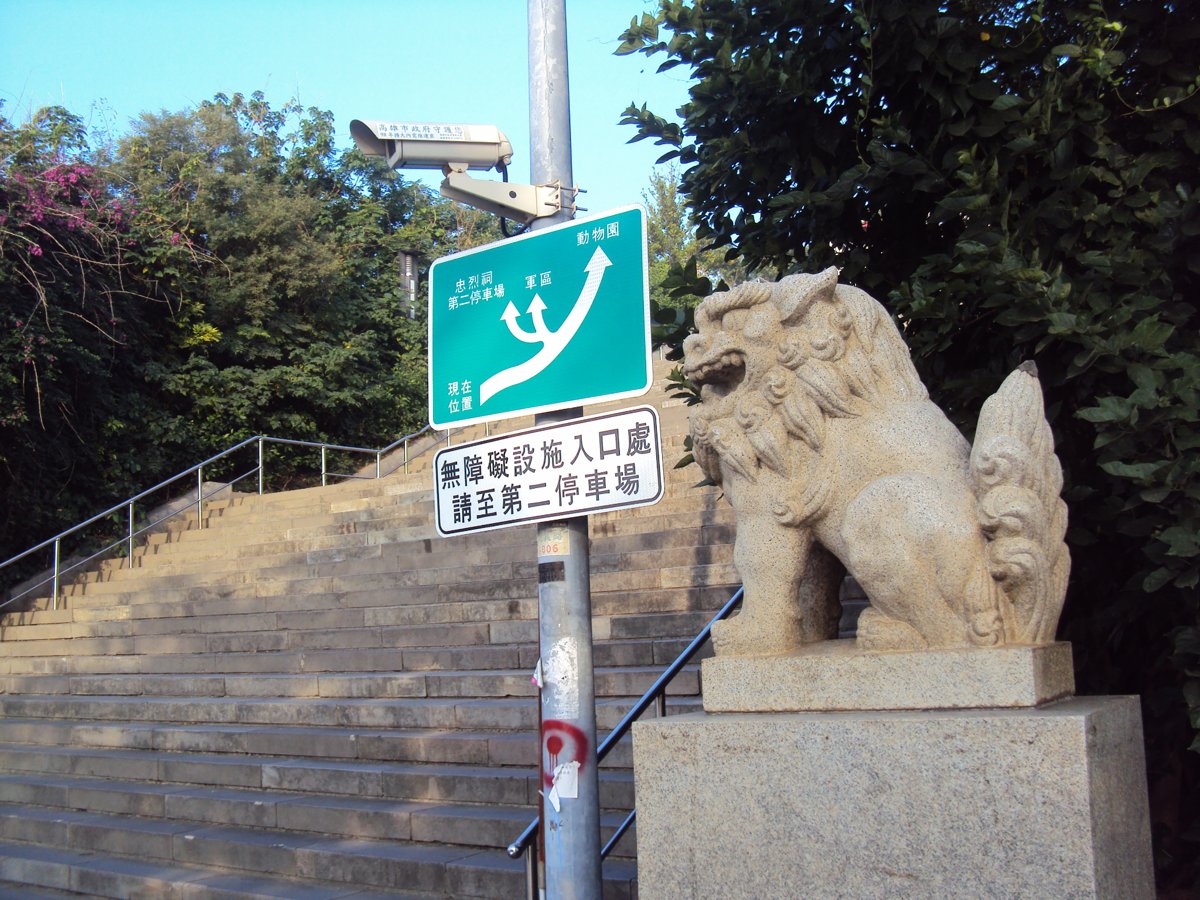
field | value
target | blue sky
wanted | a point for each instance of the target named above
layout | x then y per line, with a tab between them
406	60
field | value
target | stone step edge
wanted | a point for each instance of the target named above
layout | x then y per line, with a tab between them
520	814
613	708
616	776
75	873
502	633
74	710
287	852
338	685
84	629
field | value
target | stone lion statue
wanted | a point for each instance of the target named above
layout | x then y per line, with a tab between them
823	438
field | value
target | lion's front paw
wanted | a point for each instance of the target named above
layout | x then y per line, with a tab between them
745	636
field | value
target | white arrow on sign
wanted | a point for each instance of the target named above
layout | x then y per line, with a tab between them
540	334
553	342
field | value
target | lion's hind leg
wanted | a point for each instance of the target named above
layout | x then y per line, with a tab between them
914	546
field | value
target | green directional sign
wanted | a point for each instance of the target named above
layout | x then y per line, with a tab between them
552	319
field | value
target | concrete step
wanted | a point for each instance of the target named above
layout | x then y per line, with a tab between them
376	551
360	553
307	612
477	683
635	570
389	780
481	621
265	532
99	716
443	869
227	613
316	686
50	872
216	647
55	670
374	566
433	822
449	711
647	615
458	746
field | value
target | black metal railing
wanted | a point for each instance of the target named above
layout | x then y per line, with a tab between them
526	843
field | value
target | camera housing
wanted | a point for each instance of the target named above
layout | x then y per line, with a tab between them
455	149
430	145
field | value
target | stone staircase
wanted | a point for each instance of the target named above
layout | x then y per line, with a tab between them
316	696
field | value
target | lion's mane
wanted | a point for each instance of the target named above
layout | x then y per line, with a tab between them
811	351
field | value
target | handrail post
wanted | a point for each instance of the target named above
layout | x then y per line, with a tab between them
531	872
322	465
378	458
54	603
199	498
260	466
406	456
129	557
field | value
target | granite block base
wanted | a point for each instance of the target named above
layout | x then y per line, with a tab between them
831	675
1038	802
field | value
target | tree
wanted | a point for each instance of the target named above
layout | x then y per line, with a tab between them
672	246
83	294
303	329
217	273
681	272
1016	181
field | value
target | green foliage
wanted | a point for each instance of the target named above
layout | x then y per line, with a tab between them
681	271
217	273
1016	181
79	312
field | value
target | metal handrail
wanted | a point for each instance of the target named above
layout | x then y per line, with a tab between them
57	570
657	694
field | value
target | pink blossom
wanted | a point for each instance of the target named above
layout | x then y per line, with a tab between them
35	249
176	238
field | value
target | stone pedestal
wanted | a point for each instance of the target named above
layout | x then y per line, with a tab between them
836	675
1023	802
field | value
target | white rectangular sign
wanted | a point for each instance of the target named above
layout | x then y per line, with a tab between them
572	468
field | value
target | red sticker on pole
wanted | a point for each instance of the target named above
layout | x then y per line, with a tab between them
561	742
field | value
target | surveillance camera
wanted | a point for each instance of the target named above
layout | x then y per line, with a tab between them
426	145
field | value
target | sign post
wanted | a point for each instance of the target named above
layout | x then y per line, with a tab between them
570	832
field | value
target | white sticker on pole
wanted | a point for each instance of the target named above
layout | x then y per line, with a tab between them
566	784
560	674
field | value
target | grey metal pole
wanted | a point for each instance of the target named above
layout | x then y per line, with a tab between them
570	834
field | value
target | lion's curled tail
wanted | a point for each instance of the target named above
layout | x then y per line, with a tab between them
1017	482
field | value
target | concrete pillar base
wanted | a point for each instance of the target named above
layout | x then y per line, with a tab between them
1032	802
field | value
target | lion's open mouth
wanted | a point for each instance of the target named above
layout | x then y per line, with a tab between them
727	369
